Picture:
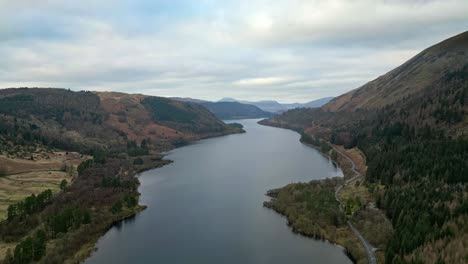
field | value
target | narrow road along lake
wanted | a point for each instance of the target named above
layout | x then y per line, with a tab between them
206	207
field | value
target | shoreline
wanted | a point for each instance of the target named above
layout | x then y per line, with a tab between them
92	248
344	167
304	234
87	249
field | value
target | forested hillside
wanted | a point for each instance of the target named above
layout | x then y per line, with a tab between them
184	116
415	138
84	121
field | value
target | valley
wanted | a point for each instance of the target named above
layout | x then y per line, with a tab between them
206	207
378	174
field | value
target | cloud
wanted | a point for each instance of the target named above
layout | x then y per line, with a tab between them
261	81
250	49
362	22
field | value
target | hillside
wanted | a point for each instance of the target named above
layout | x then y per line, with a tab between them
412	126
412	79
83	121
235	110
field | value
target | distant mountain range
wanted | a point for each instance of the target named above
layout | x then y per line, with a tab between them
235	110
229	108
276	107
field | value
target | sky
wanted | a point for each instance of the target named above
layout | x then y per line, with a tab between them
290	51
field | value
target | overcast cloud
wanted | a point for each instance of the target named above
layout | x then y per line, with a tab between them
247	49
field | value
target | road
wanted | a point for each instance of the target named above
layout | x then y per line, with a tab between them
367	246
370	250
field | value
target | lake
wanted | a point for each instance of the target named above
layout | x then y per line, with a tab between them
206	207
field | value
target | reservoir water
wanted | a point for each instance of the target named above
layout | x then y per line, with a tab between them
206	207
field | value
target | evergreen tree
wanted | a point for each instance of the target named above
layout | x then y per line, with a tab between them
63	184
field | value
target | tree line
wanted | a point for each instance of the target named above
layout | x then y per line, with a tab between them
29	205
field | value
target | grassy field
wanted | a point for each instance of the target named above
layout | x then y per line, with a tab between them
14	188
356	189
371	222
41	171
23	177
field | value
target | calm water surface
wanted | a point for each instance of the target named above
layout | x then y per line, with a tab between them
206	207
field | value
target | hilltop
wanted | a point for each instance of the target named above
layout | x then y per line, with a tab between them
434	66
83	121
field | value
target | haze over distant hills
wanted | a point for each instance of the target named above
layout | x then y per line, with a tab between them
229	110
275	107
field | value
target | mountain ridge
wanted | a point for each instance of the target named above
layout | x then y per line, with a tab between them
98	119
275	107
413	76
229	109
235	110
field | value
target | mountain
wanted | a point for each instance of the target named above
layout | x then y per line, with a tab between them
235	110
275	107
412	126
412	79
227	99
426	91
268	105
230	108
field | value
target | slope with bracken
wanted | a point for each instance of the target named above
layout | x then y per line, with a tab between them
86	120
412	125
